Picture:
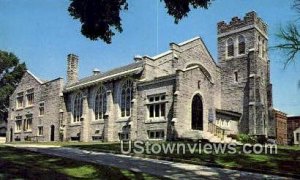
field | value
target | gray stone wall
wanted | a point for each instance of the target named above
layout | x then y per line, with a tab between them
50	94
189	83
144	122
250	95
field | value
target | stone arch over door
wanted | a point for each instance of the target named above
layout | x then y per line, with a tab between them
197	112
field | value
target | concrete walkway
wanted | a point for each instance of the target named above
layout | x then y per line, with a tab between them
160	168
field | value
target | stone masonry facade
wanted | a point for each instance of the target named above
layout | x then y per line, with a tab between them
37	118
181	93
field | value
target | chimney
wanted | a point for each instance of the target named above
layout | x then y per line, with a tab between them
72	69
96	71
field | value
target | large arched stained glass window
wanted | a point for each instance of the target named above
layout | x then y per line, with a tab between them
100	103
126	97
77	107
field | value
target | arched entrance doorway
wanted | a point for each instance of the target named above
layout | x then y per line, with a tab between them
197	113
52	129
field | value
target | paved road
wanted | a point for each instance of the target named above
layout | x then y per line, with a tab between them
160	168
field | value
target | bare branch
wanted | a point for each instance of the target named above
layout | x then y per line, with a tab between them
290	42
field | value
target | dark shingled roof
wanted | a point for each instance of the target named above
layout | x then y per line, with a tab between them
230	113
108	73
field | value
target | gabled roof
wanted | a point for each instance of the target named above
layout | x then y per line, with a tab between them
36	78
133	68
197	38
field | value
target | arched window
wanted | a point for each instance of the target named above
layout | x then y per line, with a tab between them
242	45
77	107
100	103
230	48
126	97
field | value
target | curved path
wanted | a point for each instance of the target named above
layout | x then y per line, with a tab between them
160	168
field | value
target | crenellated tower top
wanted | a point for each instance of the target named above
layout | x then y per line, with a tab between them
250	19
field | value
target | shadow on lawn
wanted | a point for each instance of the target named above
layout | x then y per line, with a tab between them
285	161
17	163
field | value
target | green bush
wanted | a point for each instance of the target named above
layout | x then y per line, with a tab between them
245	138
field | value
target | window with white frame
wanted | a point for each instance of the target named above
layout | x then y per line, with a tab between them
18	127
77	107
40	131
20	101
30	97
100	103
156	134
242	44
42	109
28	122
126	98
230	47
157	106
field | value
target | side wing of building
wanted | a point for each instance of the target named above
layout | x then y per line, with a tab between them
34	110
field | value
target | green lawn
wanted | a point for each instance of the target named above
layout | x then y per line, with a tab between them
286	161
17	163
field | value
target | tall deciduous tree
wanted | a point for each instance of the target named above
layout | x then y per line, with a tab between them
101	19
11	72
289	37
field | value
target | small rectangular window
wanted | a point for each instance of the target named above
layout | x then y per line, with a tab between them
157	106
156	110
151	110
163	109
19	103
42	109
152	134
40	131
28	123
156	134
61	119
236	77
30	97
18	127
156	98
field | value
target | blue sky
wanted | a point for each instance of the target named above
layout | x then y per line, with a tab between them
42	33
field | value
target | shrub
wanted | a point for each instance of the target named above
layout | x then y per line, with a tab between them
245	138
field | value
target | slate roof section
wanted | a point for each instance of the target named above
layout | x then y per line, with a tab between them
133	68
229	113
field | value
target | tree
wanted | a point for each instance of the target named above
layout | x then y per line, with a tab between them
100	19
11	72
290	38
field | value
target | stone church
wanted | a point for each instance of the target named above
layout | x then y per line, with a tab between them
182	93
